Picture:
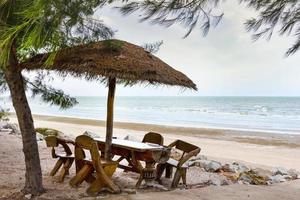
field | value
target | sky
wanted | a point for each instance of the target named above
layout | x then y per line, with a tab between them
224	63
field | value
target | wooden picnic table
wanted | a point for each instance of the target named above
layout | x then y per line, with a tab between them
134	153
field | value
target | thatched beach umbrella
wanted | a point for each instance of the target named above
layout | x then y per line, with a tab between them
115	61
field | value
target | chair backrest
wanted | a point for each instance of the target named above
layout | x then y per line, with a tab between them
53	141
185	146
189	150
84	142
155	138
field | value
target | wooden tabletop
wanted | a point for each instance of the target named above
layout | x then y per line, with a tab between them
132	145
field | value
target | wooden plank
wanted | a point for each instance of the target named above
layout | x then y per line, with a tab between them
132	145
110	117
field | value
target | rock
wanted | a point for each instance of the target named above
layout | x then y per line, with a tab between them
288	177
199	157
218	179
201	163
231	176
263	173
230	168
280	171
2	124
6	130
254	177
193	163
91	134
198	163
213	166
131	138
294	174
129	191
39	137
14	127
242	168
216	182
277	179
245	178
209	166
28	196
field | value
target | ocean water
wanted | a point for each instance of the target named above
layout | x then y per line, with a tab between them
272	114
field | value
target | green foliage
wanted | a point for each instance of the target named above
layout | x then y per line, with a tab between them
47	131
3	84
38	87
28	27
113	45
168	12
275	16
4	114
32	26
153	47
49	94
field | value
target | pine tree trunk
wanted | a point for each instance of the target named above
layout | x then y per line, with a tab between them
33	174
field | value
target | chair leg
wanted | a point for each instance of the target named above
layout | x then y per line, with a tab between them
65	170
139	182
69	165
56	166
83	173
184	176
159	171
176	179
169	171
129	164
101	183
95	187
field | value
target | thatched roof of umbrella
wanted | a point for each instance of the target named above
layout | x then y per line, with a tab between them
127	62
114	60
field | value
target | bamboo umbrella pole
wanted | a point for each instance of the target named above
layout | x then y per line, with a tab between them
110	117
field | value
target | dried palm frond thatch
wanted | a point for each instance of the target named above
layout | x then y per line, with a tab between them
128	63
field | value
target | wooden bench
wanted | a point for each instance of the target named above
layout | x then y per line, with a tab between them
64	159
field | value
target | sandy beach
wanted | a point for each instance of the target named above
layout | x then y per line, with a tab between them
256	149
278	149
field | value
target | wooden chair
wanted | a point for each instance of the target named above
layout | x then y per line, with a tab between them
65	159
154	138
150	137
86	167
189	150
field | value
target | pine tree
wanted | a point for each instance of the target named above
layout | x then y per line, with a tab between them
28	27
274	16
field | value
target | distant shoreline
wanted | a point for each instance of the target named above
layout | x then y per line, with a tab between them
241	136
273	115
141	124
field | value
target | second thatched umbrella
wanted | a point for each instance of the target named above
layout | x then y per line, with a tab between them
114	61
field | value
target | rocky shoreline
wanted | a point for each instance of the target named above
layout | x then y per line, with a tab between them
238	173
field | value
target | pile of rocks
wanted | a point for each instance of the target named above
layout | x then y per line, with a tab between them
240	173
9	128
41	133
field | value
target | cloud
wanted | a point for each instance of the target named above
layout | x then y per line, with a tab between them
226	62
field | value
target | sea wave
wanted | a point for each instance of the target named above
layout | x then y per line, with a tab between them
259	113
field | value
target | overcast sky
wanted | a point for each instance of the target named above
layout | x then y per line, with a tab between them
226	62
